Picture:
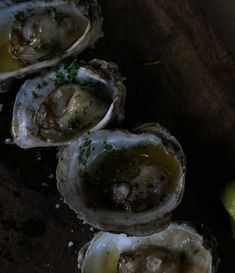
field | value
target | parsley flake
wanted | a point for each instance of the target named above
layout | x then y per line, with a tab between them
74	123
135	170
41	85
68	76
53	49
84	152
19	16
108	146
56	15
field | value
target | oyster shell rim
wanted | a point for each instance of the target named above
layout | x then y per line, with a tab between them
90	36
111	77
138	227
208	242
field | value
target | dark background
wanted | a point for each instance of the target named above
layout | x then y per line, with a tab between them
191	93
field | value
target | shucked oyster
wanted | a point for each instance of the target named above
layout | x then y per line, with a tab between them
121	181
54	109
38	34
177	249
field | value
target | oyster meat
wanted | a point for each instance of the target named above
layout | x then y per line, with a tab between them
177	249
57	107
123	182
38	34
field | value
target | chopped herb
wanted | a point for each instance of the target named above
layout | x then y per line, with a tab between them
60	79
195	251
35	95
135	170
30	112
41	85
84	152
88	86
67	76
94	88
74	123
84	175
53	49
19	16
30	10
71	71
108	146
56	15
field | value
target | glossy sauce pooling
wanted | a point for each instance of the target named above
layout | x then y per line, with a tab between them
7	62
135	179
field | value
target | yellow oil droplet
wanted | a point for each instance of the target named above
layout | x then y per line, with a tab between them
111	262
7	62
107	262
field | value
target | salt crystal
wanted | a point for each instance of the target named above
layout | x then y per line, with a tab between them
9	141
38	156
70	244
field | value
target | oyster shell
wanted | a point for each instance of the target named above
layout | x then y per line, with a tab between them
178	248
57	107
123	182
39	34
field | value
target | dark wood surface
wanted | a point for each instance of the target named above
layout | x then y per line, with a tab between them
191	93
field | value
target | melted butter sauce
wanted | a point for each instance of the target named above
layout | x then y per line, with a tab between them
181	246
107	262
7	62
106	167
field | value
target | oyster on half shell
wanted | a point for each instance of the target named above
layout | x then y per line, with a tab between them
55	108
39	34
177	249
123	182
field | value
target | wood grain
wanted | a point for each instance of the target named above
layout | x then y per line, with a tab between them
191	92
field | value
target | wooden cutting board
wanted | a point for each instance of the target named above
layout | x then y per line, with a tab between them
180	74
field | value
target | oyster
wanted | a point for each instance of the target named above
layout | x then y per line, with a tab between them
177	249
123	182
39	34
57	107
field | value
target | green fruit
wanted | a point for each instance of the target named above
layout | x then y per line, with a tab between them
228	198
